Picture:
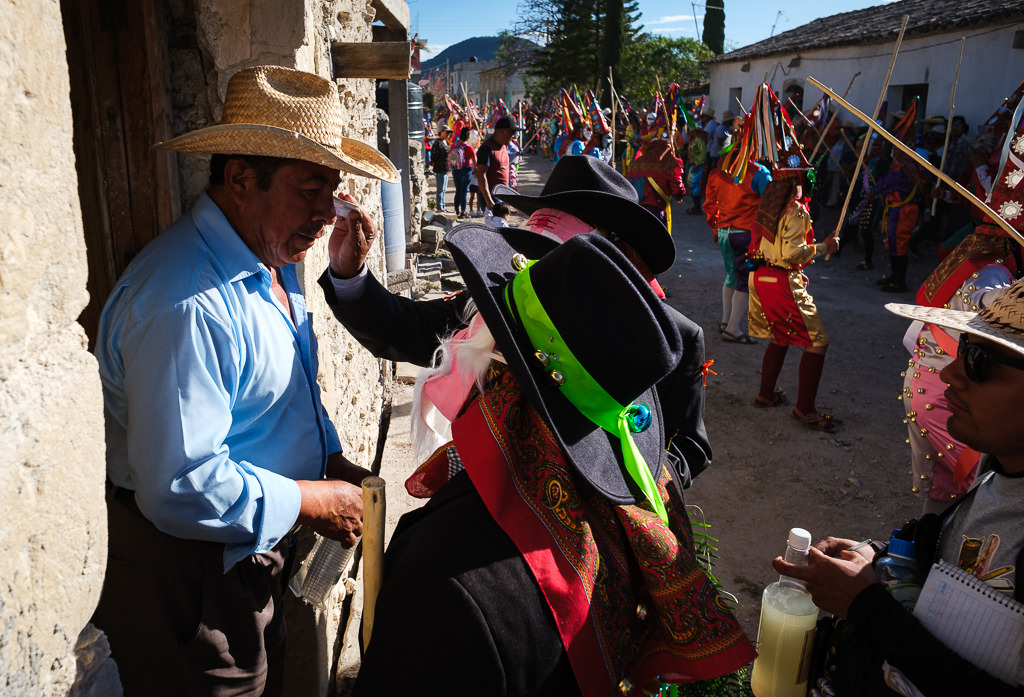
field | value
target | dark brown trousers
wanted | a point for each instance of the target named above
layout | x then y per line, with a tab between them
179	625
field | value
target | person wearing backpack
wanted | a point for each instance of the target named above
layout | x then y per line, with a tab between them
460	161
439	161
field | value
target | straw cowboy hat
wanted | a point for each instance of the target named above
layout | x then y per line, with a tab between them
279	112
1002	320
587	188
582	333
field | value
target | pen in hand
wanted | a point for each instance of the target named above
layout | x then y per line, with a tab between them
857	546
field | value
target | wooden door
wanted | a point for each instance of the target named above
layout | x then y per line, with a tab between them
121	105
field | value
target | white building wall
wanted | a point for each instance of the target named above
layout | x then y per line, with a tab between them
991	69
467	75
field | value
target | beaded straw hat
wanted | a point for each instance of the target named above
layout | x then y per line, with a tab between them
272	111
1002	320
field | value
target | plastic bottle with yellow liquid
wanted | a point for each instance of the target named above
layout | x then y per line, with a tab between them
785	635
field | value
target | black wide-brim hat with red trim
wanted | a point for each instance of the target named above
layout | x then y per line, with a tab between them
609	317
589	189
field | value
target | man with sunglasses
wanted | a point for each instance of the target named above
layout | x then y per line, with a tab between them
983	533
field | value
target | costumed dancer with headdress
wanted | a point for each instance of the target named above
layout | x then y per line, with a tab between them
632	140
730	207
657	174
900	189
866	215
554	556
697	163
967	279
781	309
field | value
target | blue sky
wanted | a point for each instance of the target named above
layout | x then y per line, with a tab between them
446	22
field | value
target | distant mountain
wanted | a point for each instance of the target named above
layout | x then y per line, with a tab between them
483	48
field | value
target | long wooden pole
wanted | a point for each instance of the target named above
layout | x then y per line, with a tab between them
867	139
670	127
832	120
810	124
854	147
742	108
374	511
949	121
614	100
946	179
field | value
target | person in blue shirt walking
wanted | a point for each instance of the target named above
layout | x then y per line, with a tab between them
218	444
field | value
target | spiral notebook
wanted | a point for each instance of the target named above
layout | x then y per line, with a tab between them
979	623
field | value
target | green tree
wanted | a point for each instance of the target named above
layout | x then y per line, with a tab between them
714	26
580	40
651	58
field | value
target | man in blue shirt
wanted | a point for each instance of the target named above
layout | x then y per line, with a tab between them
217	442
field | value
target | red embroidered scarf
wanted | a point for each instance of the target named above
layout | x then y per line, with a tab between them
630	600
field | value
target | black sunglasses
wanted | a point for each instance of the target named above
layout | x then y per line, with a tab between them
977	359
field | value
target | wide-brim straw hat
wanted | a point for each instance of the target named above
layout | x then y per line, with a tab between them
586	187
272	111
1002	320
606	315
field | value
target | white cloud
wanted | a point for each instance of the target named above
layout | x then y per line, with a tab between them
432	50
669	19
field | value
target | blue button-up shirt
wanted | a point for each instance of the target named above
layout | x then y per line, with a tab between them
212	406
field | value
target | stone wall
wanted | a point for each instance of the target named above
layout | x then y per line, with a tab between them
51	446
53	536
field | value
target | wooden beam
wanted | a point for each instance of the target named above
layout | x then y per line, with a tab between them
386	60
381	33
393	14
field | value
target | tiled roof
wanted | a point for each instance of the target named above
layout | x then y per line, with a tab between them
881	24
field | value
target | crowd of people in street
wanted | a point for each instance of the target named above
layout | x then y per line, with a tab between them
554	554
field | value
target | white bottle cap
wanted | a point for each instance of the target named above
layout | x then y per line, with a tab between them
799	539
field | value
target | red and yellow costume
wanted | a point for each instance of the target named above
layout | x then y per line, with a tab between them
781	309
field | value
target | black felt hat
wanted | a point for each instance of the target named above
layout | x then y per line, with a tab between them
607	315
589	189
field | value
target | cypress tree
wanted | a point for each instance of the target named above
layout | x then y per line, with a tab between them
714	26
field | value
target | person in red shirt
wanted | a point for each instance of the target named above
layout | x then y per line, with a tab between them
492	160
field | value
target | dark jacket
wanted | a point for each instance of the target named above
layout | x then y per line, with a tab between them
399	329
894	634
459	612
439	156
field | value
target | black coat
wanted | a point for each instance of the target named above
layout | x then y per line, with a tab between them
459	612
399	329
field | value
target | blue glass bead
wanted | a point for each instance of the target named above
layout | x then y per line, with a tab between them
639	418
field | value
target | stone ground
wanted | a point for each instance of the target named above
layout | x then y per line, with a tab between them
770	472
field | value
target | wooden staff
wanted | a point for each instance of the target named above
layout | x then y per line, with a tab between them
668	124
821	139
742	108
374	510
871	177
949	121
867	139
615	100
946	179
830	154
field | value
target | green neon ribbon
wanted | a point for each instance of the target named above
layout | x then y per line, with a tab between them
579	387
